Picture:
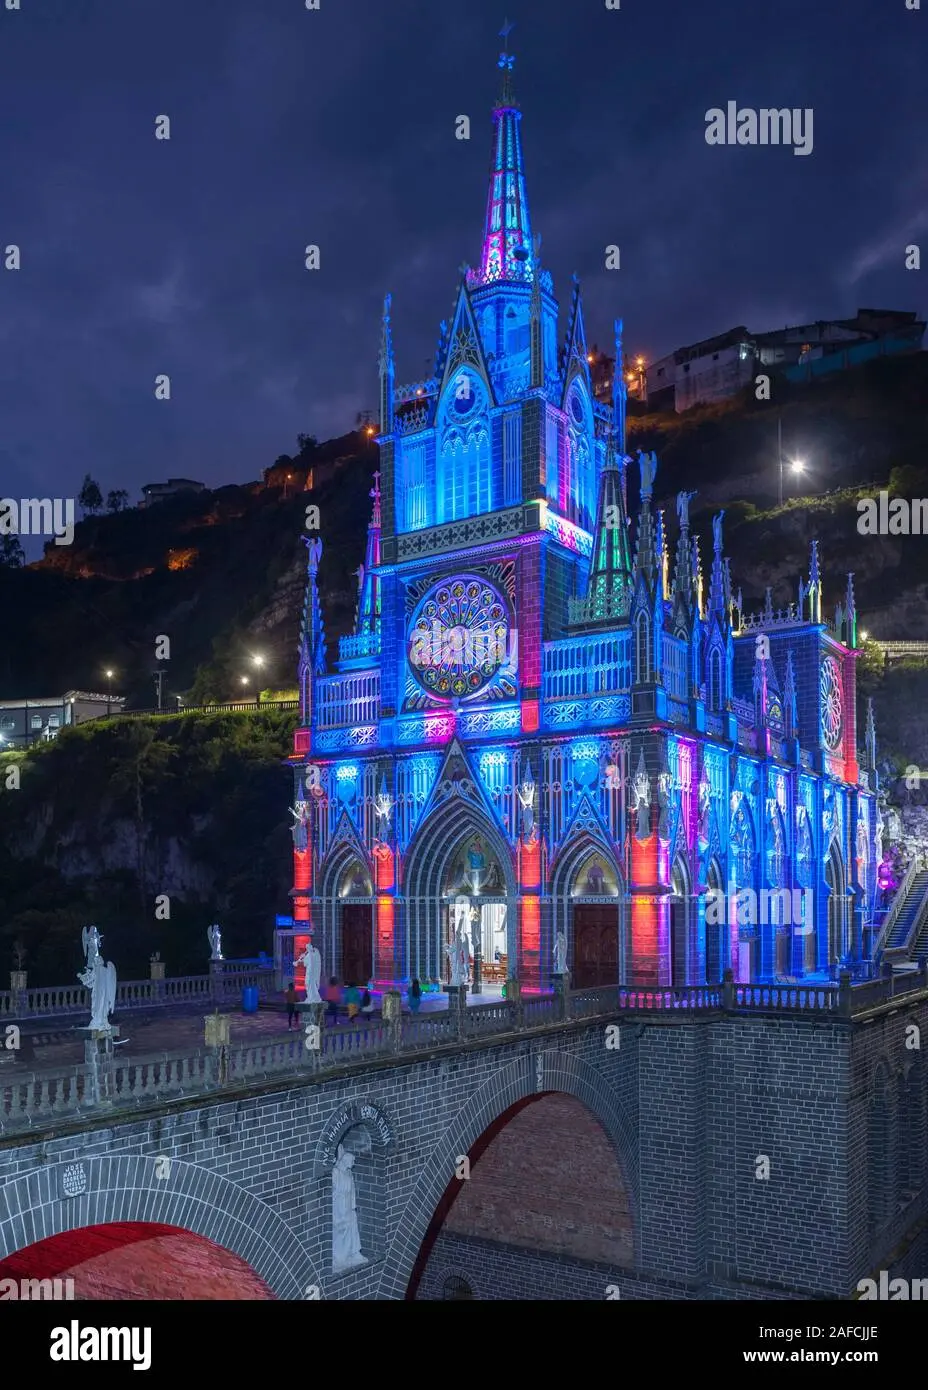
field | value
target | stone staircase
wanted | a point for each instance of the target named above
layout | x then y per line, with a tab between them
905	935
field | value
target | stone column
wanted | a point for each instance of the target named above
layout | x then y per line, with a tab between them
514	1000
18	991
157	981
393	1016
561	994
216	974
217	1039
310	1016
457	1007
476	934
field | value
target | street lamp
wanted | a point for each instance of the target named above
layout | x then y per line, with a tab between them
109	689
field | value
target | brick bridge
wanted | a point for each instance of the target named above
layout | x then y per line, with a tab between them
736	1141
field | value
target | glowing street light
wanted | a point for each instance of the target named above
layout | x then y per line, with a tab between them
109	688
258	660
797	466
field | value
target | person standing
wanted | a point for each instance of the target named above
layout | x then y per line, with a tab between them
353	1000
292	1016
333	997
415	996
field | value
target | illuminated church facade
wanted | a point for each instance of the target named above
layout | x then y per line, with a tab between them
545	724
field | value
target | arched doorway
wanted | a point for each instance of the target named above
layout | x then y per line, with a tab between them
131	1260
589	907
835	884
743	914
680	900
459	868
588	904
356	924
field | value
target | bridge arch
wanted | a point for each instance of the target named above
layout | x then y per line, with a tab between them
124	1188
539	1073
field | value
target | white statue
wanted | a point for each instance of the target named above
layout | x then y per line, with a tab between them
458	954
560	954
214	937
99	977
92	941
346	1238
311	960
300	814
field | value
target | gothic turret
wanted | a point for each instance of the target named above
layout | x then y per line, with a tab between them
619	389
312	631
387	371
609	592
508	253
367	618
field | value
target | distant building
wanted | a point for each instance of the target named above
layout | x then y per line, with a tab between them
718	368
26	721
157	492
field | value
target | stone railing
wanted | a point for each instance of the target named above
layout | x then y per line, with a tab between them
349	699
31	1099
59	1001
899	901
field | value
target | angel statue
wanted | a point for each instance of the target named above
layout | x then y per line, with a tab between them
312	961
717	531
99	977
641	788
648	466
683	509
214	937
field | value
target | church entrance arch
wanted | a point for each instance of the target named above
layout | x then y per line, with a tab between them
716	923
459	878
589	907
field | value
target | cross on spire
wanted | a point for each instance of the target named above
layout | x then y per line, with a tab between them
506	61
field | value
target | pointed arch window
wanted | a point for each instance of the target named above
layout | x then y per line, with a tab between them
716	688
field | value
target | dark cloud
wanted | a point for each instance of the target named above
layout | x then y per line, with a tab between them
337	127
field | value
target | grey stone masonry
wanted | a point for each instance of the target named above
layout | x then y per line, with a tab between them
761	1153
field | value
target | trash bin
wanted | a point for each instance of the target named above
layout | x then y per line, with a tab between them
250	999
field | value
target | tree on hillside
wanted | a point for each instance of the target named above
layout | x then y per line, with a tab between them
117	500
90	498
307	443
11	552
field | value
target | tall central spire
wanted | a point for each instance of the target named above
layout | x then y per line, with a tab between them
507	238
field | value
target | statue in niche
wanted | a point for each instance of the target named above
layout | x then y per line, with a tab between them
526	793
300	814
663	802
595	884
99	977
717	531
861	845
214	937
311	960
346	1238
560	954
641	788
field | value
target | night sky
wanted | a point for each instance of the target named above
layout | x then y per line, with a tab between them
337	127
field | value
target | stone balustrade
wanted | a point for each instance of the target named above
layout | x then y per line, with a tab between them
58	1001
31	1100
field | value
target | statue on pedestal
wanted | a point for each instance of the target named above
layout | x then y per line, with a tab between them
312	961
560	954
458	954
214	937
346	1238
99	977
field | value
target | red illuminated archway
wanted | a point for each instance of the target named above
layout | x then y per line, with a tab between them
138	1260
